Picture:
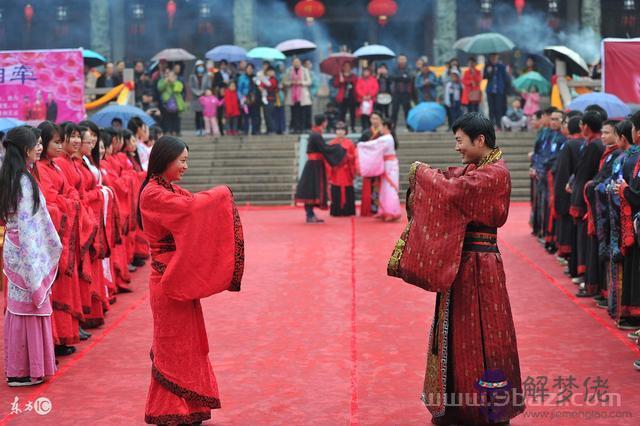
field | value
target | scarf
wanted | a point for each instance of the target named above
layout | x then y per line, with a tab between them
296	86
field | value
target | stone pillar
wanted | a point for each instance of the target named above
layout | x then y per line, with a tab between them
100	37
446	32
591	15
243	23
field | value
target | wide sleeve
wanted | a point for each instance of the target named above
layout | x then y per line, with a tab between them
371	158
39	245
429	250
206	227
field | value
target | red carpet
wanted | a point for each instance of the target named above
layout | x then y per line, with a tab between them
299	346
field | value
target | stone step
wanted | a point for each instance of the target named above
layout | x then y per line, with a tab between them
240	162
232	171
217	179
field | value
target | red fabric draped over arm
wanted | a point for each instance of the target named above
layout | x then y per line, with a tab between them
440	206
209	256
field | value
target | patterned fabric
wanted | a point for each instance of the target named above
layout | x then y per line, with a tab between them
31	252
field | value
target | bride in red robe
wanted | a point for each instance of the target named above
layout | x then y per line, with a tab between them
197	250
449	247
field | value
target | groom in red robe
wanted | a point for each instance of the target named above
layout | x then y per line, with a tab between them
449	247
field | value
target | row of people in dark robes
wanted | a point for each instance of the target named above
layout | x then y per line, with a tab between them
585	196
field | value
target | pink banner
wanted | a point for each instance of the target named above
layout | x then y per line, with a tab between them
621	68
37	85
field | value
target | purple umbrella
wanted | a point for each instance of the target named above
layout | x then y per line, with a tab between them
227	52
296	46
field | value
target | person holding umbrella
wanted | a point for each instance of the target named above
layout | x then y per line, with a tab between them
472	92
401	89
346	98
367	91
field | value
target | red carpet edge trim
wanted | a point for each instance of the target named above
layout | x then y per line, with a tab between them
354	341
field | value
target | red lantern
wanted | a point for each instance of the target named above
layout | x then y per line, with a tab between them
382	9
309	9
519	4
28	15
171	12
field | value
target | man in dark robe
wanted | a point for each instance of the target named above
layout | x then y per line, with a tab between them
555	141
312	186
564	170
588	164
449	246
542	123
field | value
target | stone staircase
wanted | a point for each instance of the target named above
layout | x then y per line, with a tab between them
262	170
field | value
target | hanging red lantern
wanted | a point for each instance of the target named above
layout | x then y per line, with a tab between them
309	9
519	4
171	12
382	9
28	15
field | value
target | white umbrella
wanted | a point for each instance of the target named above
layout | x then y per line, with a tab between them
173	55
296	46
575	63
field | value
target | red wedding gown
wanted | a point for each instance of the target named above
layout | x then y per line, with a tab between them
197	250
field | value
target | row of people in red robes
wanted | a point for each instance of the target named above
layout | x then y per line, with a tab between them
586	206
90	179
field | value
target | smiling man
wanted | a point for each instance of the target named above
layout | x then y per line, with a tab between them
449	247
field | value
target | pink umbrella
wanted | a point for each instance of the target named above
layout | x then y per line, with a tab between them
333	64
296	46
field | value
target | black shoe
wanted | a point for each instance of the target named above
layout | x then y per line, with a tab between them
599	298
84	335
63	350
604	304
636	364
23	381
625	324
138	262
583	293
314	220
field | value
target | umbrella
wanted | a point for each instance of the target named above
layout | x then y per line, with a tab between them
333	64
485	43
532	79
104	117
266	54
611	103
93	59
426	117
9	123
374	52
575	63
543	65
227	52
296	46
461	43
173	55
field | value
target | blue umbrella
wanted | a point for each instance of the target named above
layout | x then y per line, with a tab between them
104	117
93	59
9	123
611	103
374	52
426	117
227	52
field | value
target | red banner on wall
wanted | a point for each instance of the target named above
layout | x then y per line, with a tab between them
621	68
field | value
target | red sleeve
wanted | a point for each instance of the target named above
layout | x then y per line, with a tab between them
439	210
206	227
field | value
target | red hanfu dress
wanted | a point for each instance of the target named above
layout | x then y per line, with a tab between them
64	208
343	202
450	247
88	229
197	250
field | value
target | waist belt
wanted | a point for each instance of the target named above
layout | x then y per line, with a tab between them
480	239
314	156
389	157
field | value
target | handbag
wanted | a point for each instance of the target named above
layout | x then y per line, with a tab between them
475	96
383	99
171	105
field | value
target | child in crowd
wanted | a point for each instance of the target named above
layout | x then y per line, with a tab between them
210	104
232	108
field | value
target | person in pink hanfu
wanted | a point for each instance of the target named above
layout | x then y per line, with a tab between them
31	253
370	156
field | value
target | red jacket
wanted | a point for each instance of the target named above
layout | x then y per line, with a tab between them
231	103
470	81
367	87
342	86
